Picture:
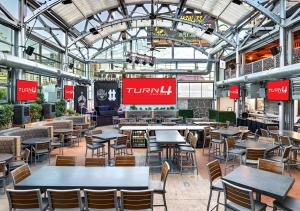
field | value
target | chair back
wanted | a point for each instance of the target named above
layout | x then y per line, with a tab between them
64	199
186	133
214	171
238	196
223	125
286	152
76	132
89	140
96	131
128	134
285	141
243	136
24	199
194	141
20	173
243	128
77	127
125	160
214	125
207	131
42	146
26	155
121	140
230	143
215	135
271	166
137	200
266	140
264	132
63	160
100	199
164	173
255	153
272	127
94	161
275	136
2	169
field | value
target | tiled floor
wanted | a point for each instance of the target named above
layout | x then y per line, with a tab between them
187	192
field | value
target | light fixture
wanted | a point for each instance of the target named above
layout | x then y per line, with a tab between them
137	60
151	63
238	2
29	50
144	62
66	2
129	60
209	30
94	31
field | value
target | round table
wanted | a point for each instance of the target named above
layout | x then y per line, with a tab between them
5	157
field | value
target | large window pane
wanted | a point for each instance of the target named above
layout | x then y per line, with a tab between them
195	90
207	90
183	90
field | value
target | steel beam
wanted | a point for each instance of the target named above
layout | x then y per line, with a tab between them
157	61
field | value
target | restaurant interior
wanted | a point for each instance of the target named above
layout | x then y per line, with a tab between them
179	105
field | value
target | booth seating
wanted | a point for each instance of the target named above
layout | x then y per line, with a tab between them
60	124
10	145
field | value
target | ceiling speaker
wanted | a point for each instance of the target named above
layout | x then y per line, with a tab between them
275	50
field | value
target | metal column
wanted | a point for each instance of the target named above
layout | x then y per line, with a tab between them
237	72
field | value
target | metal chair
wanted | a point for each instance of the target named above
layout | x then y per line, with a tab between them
237	198
20	173
63	160
286	141
266	140
75	137
58	143
65	199
17	163
100	200
95	162
3	174
215	183
26	200
137	200
125	161
232	152
216	142
271	166
264	132
152	150
206	138
94	146
41	149
252	155
120	146
129	135
285	158
190	154
159	186
272	127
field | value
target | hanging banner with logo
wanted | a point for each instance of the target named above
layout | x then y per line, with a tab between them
68	92
149	91
278	90
234	92
26	90
107	95
80	99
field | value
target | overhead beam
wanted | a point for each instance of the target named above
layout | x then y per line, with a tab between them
157	61
179	11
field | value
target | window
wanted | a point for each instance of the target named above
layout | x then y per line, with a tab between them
78	67
195	90
3	85
50	57
6	39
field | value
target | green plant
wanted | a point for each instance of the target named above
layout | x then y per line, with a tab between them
133	107
172	108
141	108
41	98
71	111
35	111
60	108
6	115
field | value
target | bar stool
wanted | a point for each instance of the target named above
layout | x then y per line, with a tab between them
215	142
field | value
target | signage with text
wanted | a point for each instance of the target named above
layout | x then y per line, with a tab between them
234	92
26	90
149	91
278	90
68	92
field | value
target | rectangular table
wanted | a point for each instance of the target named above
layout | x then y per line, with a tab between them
228	132
57	177
255	144
162	127
168	137
261	182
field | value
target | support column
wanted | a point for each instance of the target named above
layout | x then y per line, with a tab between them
282	42
237	72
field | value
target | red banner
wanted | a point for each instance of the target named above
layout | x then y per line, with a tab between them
278	90
149	91
26	90
68	92
234	92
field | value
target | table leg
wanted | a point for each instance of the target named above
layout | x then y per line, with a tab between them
108	153
258	196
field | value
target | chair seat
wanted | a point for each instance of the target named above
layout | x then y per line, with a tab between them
153	144
94	146
251	162
217	185
119	146
185	144
258	206
154	149
56	144
288	204
16	164
186	149
41	151
216	141
237	151
278	159
157	186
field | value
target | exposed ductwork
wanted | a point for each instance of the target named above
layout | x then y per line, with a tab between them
289	71
24	64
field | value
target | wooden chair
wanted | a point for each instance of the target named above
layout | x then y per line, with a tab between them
128	133
271	166
41	149
96	131
94	161
287	204
20	173
276	137
100	199
3	174
206	138
100	148
120	146
159	186
76	134
137	200
232	152
216	142
26	200
58	142
153	149
272	127
125	160
17	163
284	158
62	160
65	199
252	155
237	198
264	132
266	140
215	183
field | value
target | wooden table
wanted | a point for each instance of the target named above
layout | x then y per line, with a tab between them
101	178
290	133
31	142
261	182
254	144
107	137
205	123
227	132
163	127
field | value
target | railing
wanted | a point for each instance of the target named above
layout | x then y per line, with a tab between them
262	65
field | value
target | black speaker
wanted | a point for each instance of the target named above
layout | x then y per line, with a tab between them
49	110
209	30
29	50
66	1
275	50
94	31
21	114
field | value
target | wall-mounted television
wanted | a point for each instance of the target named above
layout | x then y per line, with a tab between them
278	90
